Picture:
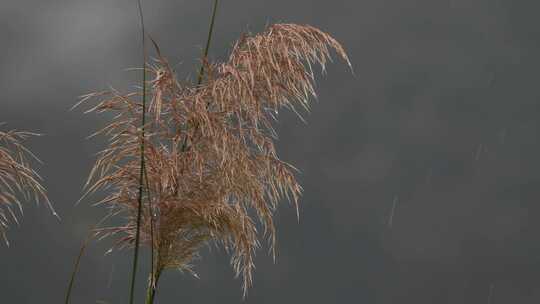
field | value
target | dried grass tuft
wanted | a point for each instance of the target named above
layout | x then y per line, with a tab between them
18	181
211	166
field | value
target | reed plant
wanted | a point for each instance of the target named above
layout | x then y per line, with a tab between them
19	182
194	163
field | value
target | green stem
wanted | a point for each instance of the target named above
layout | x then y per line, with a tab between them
152	287
207	48
154	278
142	164
205	55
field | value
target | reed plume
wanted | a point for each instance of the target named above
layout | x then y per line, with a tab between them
18	181
211	169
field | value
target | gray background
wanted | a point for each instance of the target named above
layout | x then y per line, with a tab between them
441	118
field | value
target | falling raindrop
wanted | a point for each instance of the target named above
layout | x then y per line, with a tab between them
491	287
109	283
478	152
429	175
502	136
391	219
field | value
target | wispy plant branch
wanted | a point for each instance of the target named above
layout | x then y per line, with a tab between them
76	269
91	234
18	180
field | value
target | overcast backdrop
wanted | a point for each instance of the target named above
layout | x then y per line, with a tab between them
421	171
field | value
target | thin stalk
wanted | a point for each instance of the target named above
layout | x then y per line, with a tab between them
142	165
154	278
152	288
76	268
207	48
79	257
151	214
205	55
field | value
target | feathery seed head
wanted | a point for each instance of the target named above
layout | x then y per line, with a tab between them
17	178
209	149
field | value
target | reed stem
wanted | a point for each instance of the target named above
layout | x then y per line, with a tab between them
207	48
152	287
154	278
76	269
142	164
205	55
